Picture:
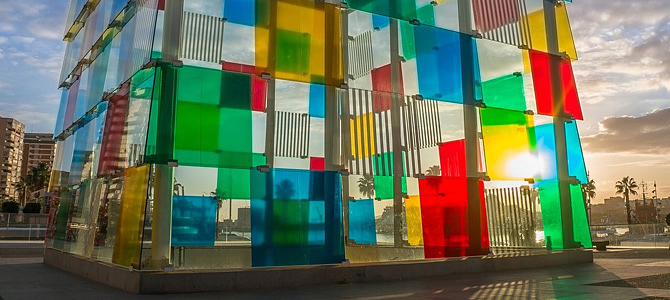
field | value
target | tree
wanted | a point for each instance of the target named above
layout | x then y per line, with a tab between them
39	176
21	187
433	171
626	187
589	189
10	207
366	185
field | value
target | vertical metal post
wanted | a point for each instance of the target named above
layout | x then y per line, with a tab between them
471	130
559	119
345	154
161	232
396	106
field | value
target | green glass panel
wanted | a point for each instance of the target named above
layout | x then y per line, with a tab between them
235	183
384	186
580	222
399	9
426	15
62	218
160	136
505	92
407	36
552	222
293	51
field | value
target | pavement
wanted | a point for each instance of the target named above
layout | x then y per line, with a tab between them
616	275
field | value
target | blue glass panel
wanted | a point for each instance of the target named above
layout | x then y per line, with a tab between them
317	99
61	112
546	150
379	22
362	228
240	12
576	166
438	62
117	6
193	221
296	219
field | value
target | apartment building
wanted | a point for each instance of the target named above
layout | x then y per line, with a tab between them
37	148
11	155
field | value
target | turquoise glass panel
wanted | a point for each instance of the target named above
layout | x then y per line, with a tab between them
546	150
296	218
362	228
240	12
193	221
576	166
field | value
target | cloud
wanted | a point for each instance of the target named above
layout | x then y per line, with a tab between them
646	134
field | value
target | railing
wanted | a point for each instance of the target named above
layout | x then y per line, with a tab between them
22	226
633	236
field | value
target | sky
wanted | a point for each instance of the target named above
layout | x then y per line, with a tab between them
623	78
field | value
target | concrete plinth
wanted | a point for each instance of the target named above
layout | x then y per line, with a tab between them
158	282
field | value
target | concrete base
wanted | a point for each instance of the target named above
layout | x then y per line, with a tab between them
157	282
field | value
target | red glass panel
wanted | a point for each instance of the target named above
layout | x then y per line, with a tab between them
110	151
452	159
258	85
494	14
382	82
540	64
258	94
444	215
240	68
317	163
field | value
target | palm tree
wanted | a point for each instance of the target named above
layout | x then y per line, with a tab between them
366	185
21	187
433	171
589	192
626	186
39	176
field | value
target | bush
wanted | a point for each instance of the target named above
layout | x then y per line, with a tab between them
32	208
10	207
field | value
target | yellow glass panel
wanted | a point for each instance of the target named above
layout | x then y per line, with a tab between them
507	148
413	218
303	42
538	31
130	224
362	136
262	49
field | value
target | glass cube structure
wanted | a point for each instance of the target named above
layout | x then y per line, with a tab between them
250	133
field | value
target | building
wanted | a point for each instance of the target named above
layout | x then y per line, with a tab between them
612	211
11	156
318	116
37	148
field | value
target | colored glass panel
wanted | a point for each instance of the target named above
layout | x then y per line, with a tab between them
438	60
213	118
537	31
413	220
580	221
130	223
317	100
452	159
299	40
505	92
193	221
553	221
240	12
576	166
444	216
296	218
383	82
362	133
546	150
362	228
507	145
